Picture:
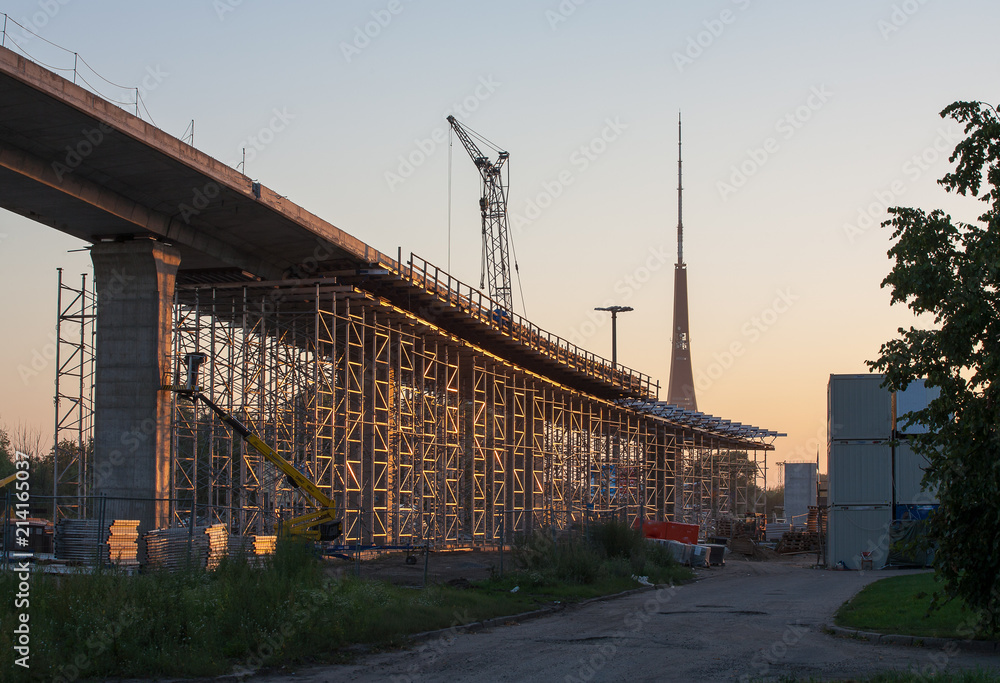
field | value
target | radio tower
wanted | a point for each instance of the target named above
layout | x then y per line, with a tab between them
680	390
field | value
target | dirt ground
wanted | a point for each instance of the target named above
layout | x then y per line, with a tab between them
442	566
475	565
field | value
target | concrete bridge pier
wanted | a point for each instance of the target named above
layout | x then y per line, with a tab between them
135	292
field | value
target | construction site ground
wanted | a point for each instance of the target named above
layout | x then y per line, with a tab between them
442	566
748	620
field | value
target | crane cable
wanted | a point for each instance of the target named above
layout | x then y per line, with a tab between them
451	134
510	240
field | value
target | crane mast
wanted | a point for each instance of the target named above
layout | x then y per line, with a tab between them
493	206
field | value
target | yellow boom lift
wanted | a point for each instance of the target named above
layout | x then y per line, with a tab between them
319	525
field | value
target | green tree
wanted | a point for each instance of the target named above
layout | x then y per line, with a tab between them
949	272
6	455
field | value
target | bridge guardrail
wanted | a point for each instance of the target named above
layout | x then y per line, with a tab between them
481	307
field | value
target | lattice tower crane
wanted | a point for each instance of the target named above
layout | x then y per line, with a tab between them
493	206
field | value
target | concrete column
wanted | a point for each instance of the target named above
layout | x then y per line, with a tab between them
135	292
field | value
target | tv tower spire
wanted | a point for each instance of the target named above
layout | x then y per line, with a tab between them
680	391
680	198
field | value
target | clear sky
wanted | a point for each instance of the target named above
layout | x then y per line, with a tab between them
802	122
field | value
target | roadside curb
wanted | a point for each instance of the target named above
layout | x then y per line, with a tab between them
982	646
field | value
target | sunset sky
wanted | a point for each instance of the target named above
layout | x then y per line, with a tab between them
802	123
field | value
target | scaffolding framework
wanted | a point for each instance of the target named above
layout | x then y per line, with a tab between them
419	435
76	309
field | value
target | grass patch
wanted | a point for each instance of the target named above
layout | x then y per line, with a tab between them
607	552
901	604
975	676
200	623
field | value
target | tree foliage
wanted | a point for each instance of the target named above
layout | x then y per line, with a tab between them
949	272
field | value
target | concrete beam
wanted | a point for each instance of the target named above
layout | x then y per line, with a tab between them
132	414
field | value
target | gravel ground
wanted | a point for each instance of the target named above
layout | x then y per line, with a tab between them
744	621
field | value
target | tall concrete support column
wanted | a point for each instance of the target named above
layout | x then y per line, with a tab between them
135	293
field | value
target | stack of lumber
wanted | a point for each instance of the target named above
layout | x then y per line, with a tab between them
265	545
218	545
798	542
122	547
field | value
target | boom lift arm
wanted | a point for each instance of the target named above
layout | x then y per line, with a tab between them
321	524
493	206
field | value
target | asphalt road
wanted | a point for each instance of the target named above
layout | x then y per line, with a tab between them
746	621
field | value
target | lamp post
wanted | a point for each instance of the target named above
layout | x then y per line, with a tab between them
615	310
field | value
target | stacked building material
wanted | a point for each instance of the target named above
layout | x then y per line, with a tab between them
218	545
87	541
178	548
80	540
776	530
240	546
265	545
175	548
798	542
122	546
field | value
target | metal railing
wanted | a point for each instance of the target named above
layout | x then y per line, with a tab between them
485	310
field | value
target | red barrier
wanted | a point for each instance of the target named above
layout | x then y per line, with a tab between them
670	531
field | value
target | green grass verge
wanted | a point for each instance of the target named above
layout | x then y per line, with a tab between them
199	623
901	604
975	676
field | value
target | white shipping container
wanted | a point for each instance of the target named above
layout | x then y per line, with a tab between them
914	397
858	407
860	474
800	491
909	471
852	531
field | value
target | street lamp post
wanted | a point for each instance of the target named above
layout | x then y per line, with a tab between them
615	310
